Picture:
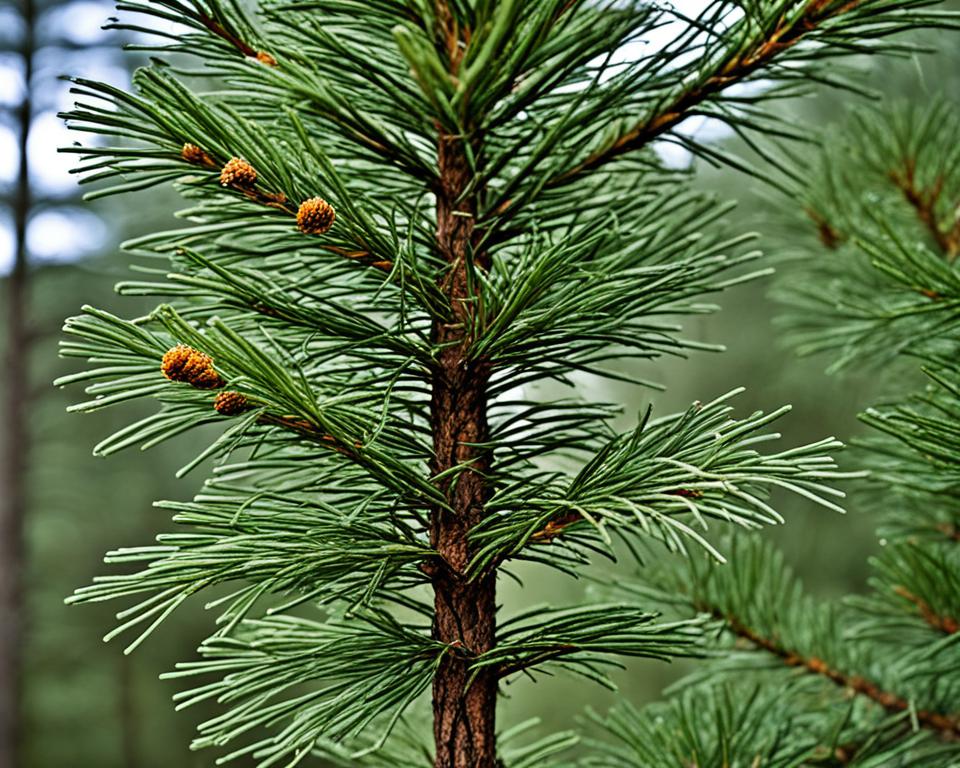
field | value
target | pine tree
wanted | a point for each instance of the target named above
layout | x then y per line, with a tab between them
405	216
872	680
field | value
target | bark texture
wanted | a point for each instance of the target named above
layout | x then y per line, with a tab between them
465	611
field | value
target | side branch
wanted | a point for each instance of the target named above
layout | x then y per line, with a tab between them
947	725
549	654
946	624
950	530
924	203
223	33
313	217
730	70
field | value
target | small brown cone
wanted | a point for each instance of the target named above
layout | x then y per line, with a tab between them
231	404
195	155
265	58
191	366
238	173
315	216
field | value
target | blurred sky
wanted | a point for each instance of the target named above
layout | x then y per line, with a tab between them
73	42
58	230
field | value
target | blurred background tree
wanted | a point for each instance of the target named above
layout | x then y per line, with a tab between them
83	703
65	699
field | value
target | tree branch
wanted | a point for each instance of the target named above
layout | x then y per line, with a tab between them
731	70
548	654
946	624
924	203
279	201
947	725
222	32
558	525
950	530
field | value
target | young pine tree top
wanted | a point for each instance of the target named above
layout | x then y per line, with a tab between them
404	215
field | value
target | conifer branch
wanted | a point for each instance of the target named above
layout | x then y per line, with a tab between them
220	31
946	624
760	600
745	723
695	466
948	725
924	202
787	31
582	640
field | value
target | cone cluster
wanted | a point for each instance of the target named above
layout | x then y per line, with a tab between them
191	366
238	173
315	216
231	404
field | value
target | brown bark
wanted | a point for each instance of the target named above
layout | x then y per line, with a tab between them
465	610
12	474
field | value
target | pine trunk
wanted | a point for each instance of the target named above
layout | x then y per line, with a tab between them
465	611
13	473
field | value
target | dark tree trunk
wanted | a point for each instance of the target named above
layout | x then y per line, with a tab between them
12	480
465	611
127	714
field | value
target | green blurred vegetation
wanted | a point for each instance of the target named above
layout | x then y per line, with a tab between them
88	705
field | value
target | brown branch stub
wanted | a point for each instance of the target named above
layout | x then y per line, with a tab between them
556	527
190	366
946	624
950	530
363	256
830	236
924	202
195	155
243	47
454	38
947	725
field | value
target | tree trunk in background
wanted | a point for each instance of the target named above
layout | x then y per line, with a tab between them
16	391
127	716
